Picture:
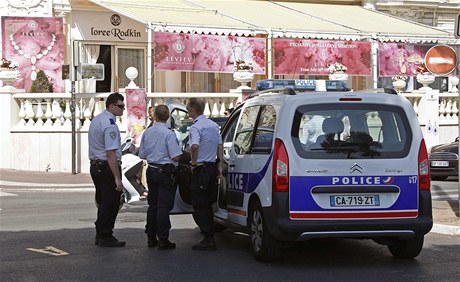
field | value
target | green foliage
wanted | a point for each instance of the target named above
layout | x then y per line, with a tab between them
41	84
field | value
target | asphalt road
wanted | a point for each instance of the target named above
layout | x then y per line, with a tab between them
445	190
48	236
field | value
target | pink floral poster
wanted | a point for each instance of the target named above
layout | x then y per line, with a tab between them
401	58
136	107
207	53
34	43
313	57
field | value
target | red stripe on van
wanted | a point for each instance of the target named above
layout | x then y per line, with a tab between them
239	212
355	215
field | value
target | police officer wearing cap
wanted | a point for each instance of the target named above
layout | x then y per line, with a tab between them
105	154
159	146
206	151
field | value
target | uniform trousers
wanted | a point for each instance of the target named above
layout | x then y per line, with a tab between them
204	194
161	201
107	199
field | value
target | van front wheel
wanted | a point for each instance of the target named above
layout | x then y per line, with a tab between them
264	246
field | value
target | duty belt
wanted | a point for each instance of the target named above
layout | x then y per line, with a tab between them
101	162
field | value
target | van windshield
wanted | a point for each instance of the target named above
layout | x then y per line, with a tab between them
351	131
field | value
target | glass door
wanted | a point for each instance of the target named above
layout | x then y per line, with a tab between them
130	57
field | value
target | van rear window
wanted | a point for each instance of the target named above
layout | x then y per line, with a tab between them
351	131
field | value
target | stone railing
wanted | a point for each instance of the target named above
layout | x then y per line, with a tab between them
52	111
448	106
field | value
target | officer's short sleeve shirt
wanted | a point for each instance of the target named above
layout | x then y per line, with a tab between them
159	145
103	136
205	133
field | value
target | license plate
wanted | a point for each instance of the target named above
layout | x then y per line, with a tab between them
440	163
354	200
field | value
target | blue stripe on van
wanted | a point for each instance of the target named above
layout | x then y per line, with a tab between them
301	198
247	182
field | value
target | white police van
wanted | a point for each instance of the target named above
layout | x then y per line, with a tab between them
365	175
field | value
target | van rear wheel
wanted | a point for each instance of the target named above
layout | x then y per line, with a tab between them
407	249
264	246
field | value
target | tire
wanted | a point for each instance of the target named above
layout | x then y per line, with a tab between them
407	249
438	178
264	246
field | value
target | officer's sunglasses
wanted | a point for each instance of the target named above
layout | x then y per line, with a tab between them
120	106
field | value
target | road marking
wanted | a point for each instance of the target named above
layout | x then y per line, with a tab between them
4	194
49	250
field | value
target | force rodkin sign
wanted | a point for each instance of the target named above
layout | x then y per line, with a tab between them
107	27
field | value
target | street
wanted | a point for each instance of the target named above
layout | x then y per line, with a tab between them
49	236
445	190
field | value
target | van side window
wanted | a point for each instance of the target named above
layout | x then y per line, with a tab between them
265	129
245	130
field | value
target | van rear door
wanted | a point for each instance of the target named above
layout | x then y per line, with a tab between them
360	167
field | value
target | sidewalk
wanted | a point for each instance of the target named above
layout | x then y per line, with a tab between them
445	213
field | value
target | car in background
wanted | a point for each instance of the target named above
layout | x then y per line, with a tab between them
444	160
219	120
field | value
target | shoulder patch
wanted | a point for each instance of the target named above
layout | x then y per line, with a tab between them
113	135
112	121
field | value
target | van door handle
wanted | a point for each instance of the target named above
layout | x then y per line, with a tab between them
232	165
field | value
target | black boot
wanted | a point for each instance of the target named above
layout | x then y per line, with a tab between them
110	241
207	244
152	242
166	245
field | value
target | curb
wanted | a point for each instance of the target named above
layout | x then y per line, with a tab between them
446	229
45	186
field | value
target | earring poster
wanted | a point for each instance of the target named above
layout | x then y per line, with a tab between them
34	44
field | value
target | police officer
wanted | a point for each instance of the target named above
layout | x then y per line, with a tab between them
105	153
159	146
206	151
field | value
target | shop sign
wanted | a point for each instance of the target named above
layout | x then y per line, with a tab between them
107	27
90	71
313	57
34	43
207	53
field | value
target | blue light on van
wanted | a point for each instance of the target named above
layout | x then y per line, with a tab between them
300	84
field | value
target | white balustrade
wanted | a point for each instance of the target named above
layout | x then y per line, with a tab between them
448	108
52	111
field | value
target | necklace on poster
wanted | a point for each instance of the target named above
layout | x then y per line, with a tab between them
33	59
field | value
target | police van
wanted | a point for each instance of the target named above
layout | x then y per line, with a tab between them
299	166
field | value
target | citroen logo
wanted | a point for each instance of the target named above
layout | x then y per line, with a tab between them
356	167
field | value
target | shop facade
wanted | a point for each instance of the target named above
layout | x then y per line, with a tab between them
119	38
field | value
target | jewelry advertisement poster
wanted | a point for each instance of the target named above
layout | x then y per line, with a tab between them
313	57
207	53
136	107
35	44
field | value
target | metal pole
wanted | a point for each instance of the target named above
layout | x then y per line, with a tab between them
269	54
74	140
149	57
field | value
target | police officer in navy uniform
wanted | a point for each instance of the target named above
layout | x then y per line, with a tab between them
159	146
105	154
206	151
